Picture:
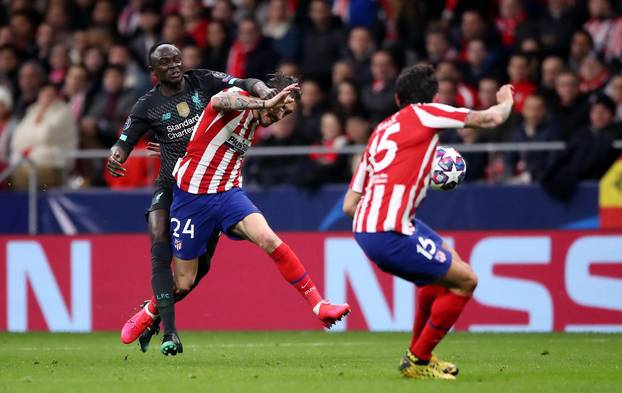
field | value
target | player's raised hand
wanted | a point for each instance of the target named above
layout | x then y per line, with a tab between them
154	149
116	160
283	97
505	94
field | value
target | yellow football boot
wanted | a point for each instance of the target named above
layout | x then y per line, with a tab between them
410	367
447	367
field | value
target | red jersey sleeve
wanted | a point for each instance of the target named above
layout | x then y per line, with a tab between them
441	116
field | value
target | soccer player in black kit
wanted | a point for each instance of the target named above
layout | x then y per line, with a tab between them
170	110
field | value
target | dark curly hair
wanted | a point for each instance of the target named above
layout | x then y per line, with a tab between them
416	84
279	81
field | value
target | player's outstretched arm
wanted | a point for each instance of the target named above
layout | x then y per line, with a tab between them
231	101
496	114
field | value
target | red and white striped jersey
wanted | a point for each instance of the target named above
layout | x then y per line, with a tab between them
394	172
215	152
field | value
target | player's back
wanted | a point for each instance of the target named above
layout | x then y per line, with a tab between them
394	173
215	152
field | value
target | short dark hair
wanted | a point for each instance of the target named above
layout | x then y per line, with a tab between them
416	84
153	49
279	81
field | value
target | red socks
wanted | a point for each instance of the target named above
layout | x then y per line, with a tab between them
445	311
425	298
294	272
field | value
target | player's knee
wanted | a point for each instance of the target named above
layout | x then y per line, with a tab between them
469	283
268	241
183	285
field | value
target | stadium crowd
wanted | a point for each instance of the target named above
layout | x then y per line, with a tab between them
70	70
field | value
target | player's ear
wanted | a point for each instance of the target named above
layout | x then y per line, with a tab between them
397	100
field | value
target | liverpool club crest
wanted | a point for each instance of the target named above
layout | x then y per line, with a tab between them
183	109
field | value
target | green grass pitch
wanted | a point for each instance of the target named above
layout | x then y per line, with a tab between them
252	362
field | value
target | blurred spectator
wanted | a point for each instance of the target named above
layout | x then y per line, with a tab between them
191	57
57	16
589	153
223	11
571	108
446	93
216	53
358	130
7	124
195	23
518	73
47	131
279	28
136	76
174	31
75	90
550	69
251	55
322	43
512	22
361	13
129	17
31	78
147	34
271	170
473	26
438	48
325	168
59	63
605	28
23	28
94	62
535	127
347	100
79	44
378	97
309	111
581	47
478	63
341	71
465	94
9	62
104	14
593	74
111	104
45	39
614	90
556	25
358	53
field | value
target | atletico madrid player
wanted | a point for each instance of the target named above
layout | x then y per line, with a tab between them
208	197
389	184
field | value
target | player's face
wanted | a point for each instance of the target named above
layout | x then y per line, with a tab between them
271	116
167	64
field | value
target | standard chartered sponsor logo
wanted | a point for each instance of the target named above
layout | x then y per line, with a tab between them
185	126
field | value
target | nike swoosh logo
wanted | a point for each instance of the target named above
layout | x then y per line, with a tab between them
157	198
304	286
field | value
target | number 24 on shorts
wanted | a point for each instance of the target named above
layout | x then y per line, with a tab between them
188	227
426	247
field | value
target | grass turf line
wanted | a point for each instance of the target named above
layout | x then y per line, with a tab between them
307	362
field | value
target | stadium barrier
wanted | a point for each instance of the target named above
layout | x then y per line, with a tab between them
530	281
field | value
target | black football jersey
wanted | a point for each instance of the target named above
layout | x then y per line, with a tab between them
172	119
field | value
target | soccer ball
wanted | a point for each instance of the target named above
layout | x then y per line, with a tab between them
448	169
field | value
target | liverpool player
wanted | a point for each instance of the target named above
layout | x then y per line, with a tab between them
170	110
208	196
388	186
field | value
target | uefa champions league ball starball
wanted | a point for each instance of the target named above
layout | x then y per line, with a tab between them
448	169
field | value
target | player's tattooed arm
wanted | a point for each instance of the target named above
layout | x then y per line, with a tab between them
496	114
225	102
235	102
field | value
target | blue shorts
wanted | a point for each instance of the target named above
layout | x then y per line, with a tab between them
194	217
419	258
